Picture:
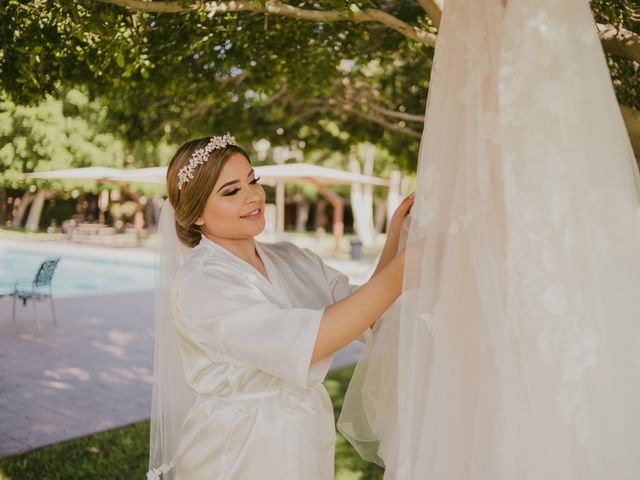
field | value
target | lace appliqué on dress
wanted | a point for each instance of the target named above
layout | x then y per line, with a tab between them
156	473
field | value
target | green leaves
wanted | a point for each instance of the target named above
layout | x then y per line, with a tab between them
61	133
182	75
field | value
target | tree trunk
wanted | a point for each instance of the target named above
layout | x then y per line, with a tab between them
33	220
632	121
362	198
394	197
302	212
103	205
337	202
280	156
3	207
321	217
25	201
379	215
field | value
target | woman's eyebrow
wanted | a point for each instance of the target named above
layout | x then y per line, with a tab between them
231	182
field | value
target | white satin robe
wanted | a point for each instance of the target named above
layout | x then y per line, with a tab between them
261	411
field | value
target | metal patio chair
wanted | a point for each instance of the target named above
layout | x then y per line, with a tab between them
40	289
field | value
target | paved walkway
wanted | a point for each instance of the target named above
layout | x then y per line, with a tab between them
90	372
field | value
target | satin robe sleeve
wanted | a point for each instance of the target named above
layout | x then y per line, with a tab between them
340	288
226	313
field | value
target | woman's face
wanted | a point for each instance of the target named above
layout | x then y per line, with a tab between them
235	207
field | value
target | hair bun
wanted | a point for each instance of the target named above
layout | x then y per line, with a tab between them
189	236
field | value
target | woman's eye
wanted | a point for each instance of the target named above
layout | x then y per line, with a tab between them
236	190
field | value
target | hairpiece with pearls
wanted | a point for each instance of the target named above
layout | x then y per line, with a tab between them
200	157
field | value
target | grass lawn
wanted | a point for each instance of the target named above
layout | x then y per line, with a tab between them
19	233
122	454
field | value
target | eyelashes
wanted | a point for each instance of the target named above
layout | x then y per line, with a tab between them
236	190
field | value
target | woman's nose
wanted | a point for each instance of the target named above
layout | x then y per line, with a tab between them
253	195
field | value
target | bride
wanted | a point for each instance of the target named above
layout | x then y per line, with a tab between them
245	331
514	354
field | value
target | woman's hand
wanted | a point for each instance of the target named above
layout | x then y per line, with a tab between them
398	219
390	248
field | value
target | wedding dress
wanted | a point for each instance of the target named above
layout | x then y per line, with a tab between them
513	353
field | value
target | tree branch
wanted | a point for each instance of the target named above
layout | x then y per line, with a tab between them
410	117
154	7
433	9
359	92
282	94
197	110
309	111
344	105
632	121
620	42
277	8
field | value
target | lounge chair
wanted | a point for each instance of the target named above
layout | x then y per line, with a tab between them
40	289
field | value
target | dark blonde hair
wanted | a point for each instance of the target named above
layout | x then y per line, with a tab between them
189	202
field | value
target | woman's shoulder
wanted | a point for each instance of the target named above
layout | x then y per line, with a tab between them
196	257
280	248
291	253
200	263
191	264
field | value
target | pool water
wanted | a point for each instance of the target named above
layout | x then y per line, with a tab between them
76	275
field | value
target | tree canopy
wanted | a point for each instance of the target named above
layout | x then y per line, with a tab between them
66	132
326	74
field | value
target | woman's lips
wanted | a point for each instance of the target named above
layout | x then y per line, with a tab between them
255	214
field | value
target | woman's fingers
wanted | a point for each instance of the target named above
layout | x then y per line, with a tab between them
405	206
410	199
399	216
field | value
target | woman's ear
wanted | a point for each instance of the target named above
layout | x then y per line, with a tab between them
199	222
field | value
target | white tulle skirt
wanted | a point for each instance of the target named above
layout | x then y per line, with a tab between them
514	352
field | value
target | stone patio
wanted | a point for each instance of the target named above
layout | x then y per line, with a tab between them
90	372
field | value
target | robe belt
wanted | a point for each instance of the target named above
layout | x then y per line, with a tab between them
292	398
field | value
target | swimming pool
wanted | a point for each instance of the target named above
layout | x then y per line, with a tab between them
81	270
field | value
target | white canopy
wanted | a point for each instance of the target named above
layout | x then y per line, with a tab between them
269	174
324	175
88	173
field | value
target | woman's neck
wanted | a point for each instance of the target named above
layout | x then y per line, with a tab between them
244	248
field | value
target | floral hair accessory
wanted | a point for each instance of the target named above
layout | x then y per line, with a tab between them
200	157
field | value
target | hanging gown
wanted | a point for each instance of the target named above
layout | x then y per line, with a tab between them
261	411
513	351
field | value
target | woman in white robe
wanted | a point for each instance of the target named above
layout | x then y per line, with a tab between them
257	326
